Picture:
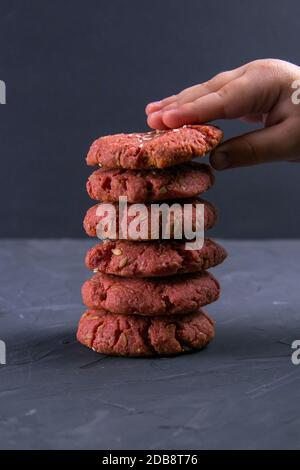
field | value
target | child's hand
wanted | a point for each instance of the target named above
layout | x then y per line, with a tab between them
260	91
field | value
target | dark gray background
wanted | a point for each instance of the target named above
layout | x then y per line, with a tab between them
78	69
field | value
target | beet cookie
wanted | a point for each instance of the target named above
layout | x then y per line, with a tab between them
180	181
150	296
133	335
157	258
92	220
154	149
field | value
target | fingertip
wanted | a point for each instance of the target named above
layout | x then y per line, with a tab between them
153	107
171	119
219	160
184	114
150	122
155	122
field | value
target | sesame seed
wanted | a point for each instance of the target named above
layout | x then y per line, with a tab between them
163	190
117	251
123	262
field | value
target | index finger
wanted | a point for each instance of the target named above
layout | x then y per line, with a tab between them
247	94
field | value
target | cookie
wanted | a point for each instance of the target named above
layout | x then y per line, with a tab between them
150	296
154	149
92	220
157	258
176	182
134	335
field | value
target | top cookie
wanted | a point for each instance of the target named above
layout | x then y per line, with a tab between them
154	149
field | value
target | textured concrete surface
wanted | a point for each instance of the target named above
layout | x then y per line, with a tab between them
241	392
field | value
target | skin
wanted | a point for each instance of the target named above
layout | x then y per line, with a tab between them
260	91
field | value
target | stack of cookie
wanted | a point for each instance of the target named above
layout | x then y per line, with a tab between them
146	296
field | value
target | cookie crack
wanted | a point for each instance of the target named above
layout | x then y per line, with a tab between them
94	334
183	345
167	302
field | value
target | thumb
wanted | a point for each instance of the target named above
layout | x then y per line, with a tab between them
271	144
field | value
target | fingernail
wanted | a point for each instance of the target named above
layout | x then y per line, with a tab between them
156	113
154	104
220	160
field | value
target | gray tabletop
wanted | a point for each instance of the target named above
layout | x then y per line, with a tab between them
240	392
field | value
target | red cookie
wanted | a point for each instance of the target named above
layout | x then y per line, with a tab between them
91	219
134	335
150	296
154	149
150	185
147	259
